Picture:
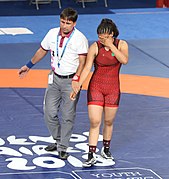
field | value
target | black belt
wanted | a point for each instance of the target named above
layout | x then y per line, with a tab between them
65	77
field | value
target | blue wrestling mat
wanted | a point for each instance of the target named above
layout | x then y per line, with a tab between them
137	146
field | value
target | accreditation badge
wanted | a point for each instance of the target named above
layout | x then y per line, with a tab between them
50	78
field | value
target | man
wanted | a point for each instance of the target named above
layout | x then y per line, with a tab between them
68	48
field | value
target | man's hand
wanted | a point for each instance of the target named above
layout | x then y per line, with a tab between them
23	71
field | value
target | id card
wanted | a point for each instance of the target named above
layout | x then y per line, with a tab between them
50	79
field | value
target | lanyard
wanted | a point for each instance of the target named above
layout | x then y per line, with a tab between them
57	47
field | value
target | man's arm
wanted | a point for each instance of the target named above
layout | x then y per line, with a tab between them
40	53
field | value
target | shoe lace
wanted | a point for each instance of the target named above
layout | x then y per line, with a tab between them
107	151
90	156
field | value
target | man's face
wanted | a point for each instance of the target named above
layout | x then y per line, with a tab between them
66	26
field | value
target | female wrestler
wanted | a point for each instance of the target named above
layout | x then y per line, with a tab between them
107	55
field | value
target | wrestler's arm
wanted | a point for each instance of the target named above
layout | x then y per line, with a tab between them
75	84
89	63
87	68
121	53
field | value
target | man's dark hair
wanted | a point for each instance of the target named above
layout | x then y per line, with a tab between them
107	26
69	14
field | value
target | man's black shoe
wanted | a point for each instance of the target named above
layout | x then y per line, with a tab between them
51	147
63	155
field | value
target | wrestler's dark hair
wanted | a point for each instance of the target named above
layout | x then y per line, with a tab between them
69	14
107	26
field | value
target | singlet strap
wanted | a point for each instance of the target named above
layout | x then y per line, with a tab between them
116	42
99	45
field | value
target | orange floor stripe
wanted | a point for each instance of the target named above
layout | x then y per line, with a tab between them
133	84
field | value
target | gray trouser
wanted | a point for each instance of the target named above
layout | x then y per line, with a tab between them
57	98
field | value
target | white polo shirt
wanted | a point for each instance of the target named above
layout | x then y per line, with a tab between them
76	44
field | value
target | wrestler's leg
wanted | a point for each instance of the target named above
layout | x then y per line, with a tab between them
95	116
109	116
